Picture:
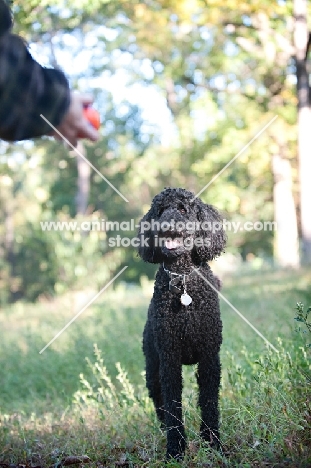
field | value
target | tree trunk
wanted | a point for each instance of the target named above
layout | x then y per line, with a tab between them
286	246
301	35
83	182
7	200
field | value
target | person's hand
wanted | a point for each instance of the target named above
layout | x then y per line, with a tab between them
74	125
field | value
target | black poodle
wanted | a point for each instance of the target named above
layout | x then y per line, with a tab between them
182	234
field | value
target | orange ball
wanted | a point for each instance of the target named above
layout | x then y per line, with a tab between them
92	116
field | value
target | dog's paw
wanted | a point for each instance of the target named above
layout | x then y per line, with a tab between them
174	456
212	439
176	450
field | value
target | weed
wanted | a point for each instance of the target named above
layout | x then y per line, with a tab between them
47	414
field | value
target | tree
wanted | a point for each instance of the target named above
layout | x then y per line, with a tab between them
233	61
301	38
286	236
223	70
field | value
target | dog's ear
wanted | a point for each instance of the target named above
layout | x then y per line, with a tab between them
210	233
147	249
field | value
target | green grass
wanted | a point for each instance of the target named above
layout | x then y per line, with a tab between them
58	403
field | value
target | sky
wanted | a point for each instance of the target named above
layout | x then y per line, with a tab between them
76	61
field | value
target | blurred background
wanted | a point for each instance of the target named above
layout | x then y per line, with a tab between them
181	87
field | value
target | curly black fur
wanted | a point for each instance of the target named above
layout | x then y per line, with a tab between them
176	334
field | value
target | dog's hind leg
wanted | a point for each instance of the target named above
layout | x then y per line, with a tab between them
208	376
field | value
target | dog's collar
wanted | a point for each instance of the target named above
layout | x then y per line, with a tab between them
185	299
173	275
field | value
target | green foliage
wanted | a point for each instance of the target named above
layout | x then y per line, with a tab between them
265	398
44	263
303	317
48	412
223	71
105	394
36	264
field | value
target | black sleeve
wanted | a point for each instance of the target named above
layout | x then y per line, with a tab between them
6	21
27	90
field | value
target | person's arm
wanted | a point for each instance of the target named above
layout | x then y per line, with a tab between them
28	90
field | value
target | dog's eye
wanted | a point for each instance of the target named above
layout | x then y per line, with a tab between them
182	210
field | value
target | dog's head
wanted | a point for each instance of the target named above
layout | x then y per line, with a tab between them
178	223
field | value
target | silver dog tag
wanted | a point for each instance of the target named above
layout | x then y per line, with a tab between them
185	299
173	285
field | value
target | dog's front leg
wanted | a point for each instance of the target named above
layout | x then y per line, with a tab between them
208	376
171	384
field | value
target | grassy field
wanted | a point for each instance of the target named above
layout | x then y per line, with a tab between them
74	399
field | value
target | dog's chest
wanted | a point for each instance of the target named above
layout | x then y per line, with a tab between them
186	320
180	297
